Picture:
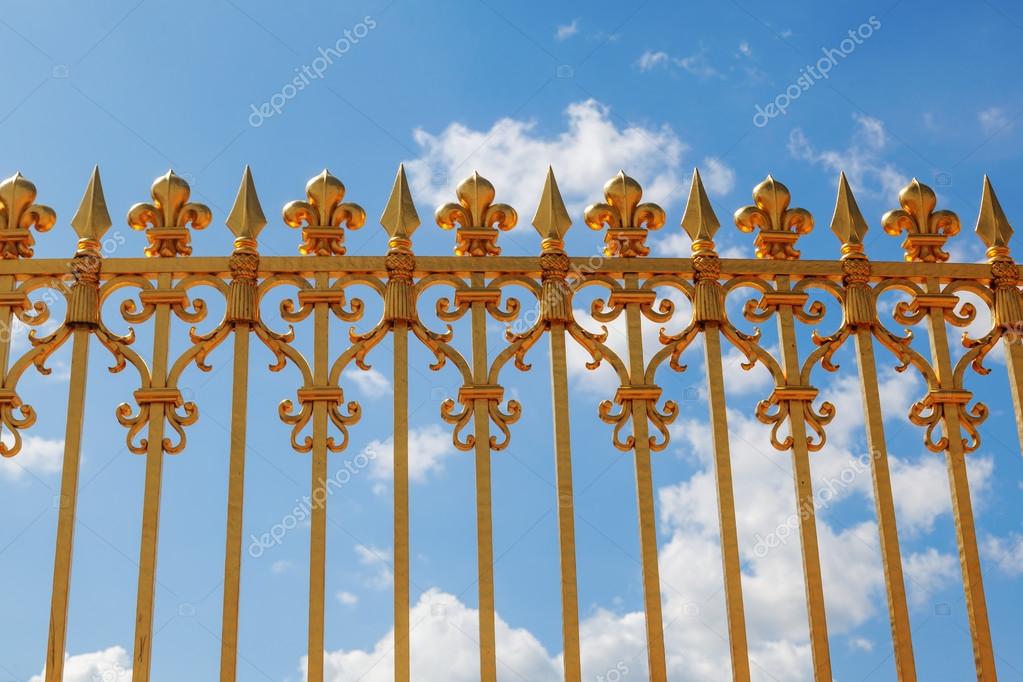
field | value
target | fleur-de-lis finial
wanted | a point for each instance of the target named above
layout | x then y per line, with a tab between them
399	218
92	220
166	220
18	212
628	220
926	230
322	215
847	222
551	219
246	219
779	225
993	227
698	219
478	218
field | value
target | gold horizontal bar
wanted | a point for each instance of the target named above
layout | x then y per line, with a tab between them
474	295
781	393
779	298
14	299
637	392
321	296
947	397
497	265
942	301
315	394
622	296
482	391
170	396
169	296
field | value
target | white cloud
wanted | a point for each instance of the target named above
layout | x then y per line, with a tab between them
993	120
428	448
1007	553
108	665
39	456
697	64
444	636
566	31
281	566
928	572
861	644
651	59
921	489
513	155
379	560
862	160
718	178
347	598
370	383
691	573
745	50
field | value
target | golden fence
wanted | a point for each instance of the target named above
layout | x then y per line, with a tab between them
778	283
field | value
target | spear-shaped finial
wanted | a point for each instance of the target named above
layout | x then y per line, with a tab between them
399	218
993	227
92	220
847	222
246	219
699	220
551	219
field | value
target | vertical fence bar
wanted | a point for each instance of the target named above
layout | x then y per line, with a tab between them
645	495
57	640
246	220
699	221
566	504
962	507
891	557
235	501
732	568
402	654
318	524
143	653
804	493
484	501
91	221
859	309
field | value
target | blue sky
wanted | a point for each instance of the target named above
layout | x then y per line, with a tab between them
655	88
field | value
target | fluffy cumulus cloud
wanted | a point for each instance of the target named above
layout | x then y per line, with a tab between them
444	629
38	457
370	383
444	647
862	160
108	665
428	448
513	155
1006	552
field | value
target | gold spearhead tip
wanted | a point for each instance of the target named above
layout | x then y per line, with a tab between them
699	220
399	218
848	222
992	226
551	219
246	219
92	220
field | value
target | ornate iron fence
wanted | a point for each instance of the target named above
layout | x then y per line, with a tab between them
478	276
